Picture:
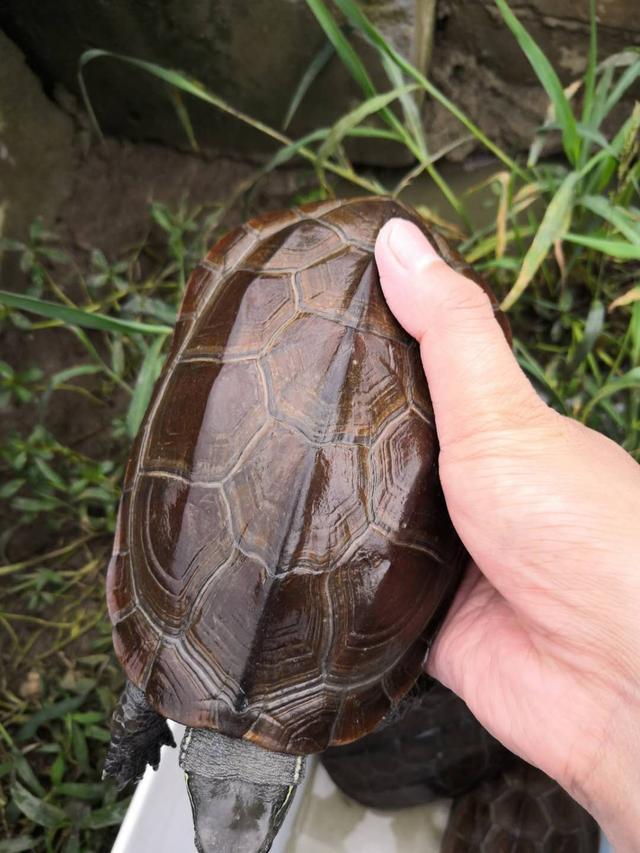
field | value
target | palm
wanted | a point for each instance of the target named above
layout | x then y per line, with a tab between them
534	697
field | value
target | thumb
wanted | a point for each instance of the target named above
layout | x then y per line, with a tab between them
474	378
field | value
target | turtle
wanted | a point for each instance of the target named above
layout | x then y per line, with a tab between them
438	749
283	554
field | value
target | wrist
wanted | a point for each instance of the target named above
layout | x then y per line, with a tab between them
610	790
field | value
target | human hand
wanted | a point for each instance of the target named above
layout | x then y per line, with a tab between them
543	639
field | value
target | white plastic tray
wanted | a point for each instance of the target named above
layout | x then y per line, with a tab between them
320	820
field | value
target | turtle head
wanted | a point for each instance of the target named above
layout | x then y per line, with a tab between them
239	792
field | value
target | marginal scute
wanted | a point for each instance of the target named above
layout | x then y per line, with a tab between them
385	597
203	423
119	590
293	247
229	250
135	643
179	532
270	223
356	709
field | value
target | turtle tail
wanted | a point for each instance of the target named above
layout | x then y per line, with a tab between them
239	792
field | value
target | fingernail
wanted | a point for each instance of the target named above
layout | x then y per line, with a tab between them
409	246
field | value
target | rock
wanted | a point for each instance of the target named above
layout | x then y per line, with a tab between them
250	52
36	157
477	62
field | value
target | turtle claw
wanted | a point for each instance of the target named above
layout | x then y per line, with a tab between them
137	735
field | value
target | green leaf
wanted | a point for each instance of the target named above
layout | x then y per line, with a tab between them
149	372
10	487
89	791
48	713
536	371
617	216
37	810
17	845
80	749
549	79
627	79
615	248
111	815
56	772
592	330
23	771
554	225
76	316
49	474
63	376
631	379
590	76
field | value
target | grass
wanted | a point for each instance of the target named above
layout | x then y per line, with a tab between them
562	251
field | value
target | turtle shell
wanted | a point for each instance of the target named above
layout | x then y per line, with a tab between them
283	553
521	811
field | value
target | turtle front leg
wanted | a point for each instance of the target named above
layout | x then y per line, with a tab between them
137	733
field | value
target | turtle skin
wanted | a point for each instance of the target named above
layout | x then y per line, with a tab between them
520	811
283	553
435	749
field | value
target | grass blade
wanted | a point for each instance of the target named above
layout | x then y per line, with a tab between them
554	225
619	249
35	809
549	80
149	372
355	117
78	317
355	15
531	366
592	330
315	67
342	45
629	380
193	87
410	109
629	296
615	215
590	75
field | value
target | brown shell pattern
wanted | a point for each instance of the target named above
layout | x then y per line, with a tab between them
521	811
283	552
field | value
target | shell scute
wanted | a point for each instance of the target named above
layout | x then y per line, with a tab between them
407	452
202	424
240	322
361	220
345	288
354	380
